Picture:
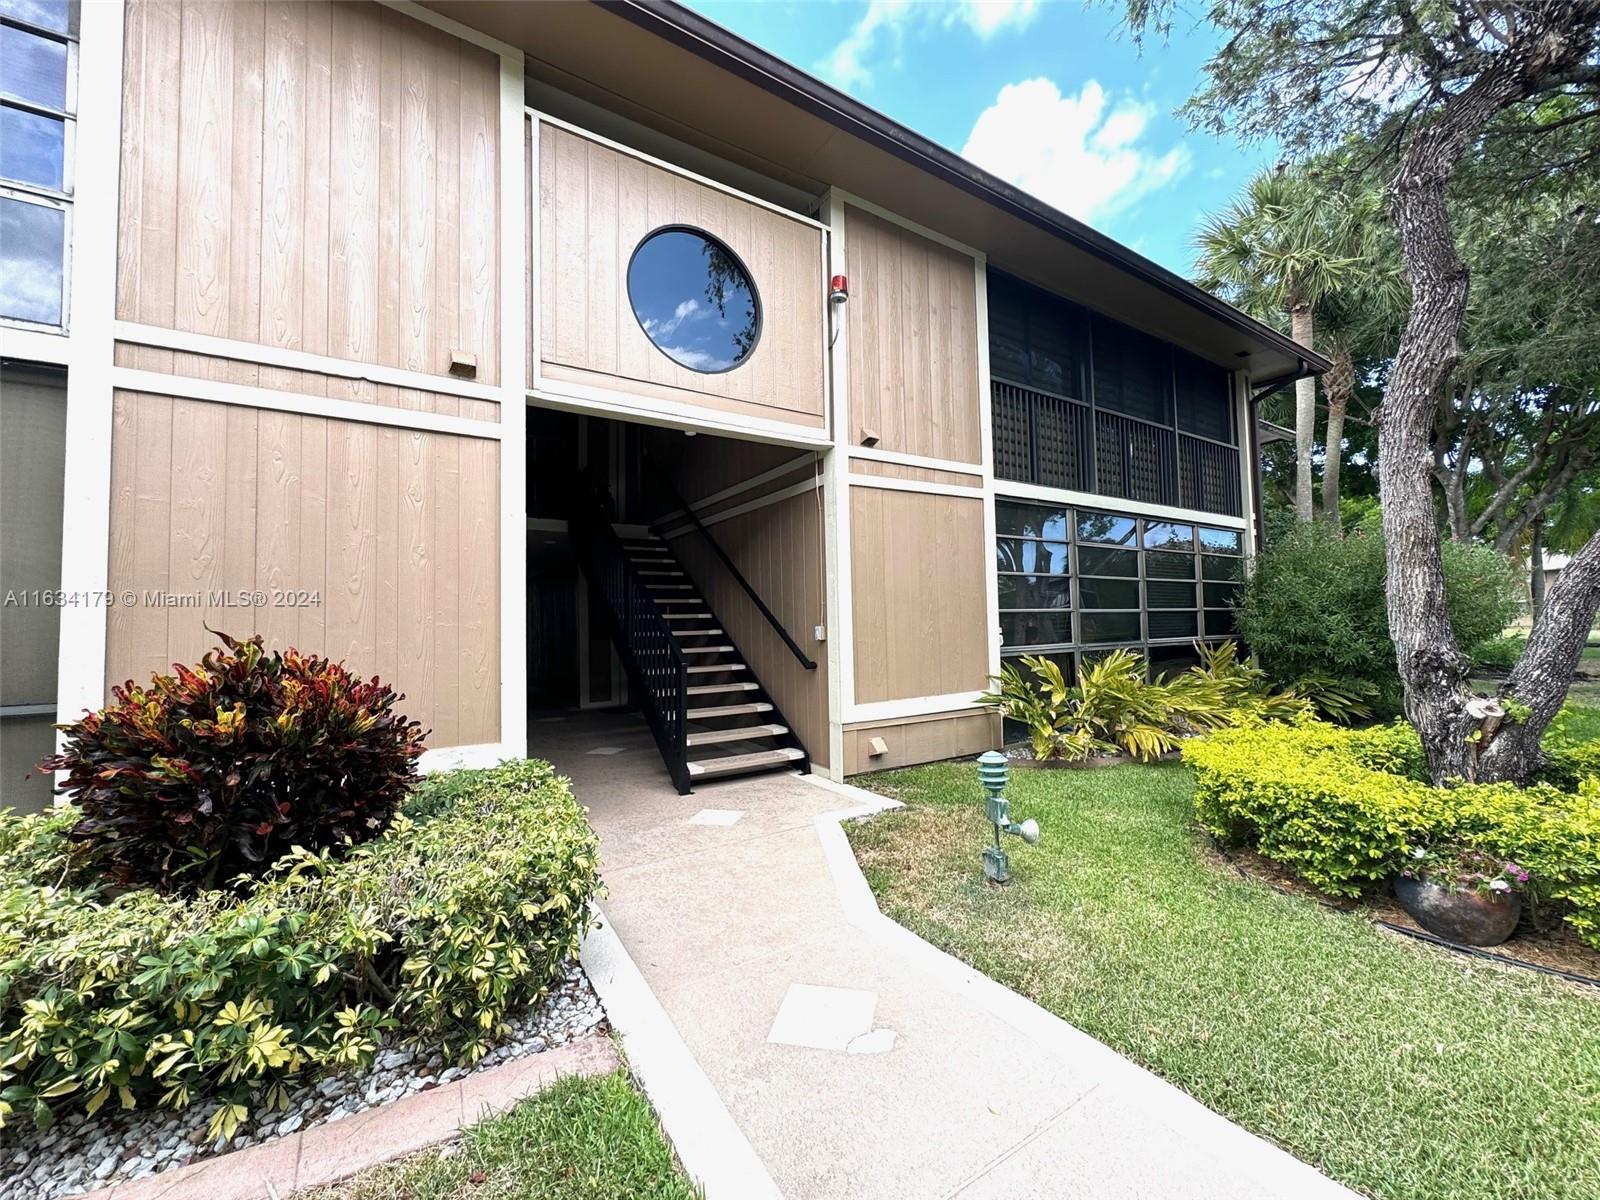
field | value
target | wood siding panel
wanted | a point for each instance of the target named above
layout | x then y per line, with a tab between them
779	550
918	564
913	342
321	177
596	205
886	470
919	739
395	539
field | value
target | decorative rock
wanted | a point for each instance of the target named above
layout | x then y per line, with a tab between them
73	1156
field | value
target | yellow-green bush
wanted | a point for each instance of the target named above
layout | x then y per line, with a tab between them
1341	808
433	931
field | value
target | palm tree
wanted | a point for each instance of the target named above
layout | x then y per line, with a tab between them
1286	246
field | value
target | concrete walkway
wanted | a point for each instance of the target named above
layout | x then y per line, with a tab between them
857	1060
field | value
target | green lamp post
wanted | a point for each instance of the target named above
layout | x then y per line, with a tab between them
992	775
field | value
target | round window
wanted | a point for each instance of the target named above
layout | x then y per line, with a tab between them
694	299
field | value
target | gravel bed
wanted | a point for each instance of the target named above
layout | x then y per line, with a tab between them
79	1155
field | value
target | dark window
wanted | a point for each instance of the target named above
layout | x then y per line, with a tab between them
1097	560
1035	338
1108	593
1036	628
1021	555
1214	566
1132	373
1203	400
1110	627
1035	591
694	299
1173	624
1169	593
1169	566
1105	528
1020	519
1219	622
1222	595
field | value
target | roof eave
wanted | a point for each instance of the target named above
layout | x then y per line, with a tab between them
705	37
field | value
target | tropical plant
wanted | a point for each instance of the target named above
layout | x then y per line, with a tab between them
429	934
221	769
1114	709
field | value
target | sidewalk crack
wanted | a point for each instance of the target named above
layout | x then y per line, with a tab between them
1038	1131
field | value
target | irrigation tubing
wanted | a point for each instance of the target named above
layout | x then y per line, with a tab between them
1420	935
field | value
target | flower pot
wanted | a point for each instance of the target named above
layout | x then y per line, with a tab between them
1469	918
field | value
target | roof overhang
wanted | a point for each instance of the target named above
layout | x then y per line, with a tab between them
676	72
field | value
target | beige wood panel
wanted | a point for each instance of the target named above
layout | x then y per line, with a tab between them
778	548
913	740
918	564
707	465
304	383
596	204
321	177
913	316
884	470
393	535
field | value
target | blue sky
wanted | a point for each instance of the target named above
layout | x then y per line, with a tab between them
1049	94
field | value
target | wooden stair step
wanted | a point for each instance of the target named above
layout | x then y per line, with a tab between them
706	689
740	733
676	599
738	764
677	616
695	632
715	668
669	587
662	574
722	649
729	710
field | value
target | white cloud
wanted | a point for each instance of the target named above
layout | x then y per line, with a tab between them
850	65
1083	153
685	310
696	360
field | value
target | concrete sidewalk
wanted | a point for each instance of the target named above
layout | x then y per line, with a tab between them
857	1060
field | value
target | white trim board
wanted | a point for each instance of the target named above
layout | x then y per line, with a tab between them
884	483
954	704
92	287
784	468
899	459
672	414
516	250
320	364
1004	489
219	392
33	345
455	28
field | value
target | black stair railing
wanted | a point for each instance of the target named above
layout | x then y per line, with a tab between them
650	654
761	605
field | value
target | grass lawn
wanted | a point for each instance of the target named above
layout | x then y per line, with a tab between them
1400	1069
583	1139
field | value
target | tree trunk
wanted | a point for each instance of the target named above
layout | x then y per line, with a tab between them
1432	668
1536	568
1337	384
1302	327
1543	674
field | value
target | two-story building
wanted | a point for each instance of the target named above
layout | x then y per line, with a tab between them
549	356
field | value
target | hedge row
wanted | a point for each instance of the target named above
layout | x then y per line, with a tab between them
1341	808
460	912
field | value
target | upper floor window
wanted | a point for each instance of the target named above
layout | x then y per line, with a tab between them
694	299
38	110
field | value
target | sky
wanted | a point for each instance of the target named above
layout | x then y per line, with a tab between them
1048	94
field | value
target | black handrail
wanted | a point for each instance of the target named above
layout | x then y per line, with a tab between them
650	654
761	605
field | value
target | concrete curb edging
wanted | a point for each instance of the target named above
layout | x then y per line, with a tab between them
335	1149
711	1147
1037	1024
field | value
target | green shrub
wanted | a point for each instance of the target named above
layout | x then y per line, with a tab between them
1113	708
433	931
1343	808
1314	606
225	767
1498	653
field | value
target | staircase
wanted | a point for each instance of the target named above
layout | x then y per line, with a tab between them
710	715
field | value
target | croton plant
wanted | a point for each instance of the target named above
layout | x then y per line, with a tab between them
217	770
